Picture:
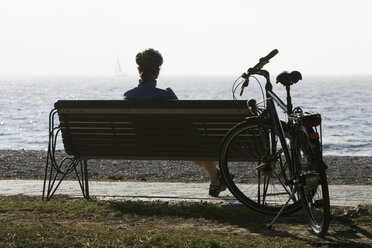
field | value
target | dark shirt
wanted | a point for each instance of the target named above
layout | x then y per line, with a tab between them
148	91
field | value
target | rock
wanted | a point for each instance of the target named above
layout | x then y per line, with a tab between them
27	164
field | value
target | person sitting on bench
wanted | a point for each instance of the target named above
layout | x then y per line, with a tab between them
149	62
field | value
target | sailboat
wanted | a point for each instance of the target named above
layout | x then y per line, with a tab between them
118	71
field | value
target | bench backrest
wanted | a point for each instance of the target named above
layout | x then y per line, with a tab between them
140	130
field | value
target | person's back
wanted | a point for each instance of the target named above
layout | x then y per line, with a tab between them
149	62
148	91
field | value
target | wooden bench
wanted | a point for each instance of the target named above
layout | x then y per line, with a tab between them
135	130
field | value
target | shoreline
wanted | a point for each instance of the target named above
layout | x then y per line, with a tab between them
30	164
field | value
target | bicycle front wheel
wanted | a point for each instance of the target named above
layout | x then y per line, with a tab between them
254	168
313	188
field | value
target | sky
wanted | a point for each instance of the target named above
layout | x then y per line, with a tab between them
196	37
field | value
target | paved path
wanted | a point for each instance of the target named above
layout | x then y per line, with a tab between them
340	195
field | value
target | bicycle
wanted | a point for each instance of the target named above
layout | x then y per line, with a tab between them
277	164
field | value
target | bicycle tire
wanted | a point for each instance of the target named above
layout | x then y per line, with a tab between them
313	189
256	183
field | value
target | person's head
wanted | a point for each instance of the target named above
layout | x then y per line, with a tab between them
149	62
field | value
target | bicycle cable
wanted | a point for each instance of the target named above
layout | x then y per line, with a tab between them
235	87
262	91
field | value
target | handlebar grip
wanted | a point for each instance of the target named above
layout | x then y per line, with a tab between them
265	60
271	54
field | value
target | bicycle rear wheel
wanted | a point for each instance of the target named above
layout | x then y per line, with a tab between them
313	189
252	153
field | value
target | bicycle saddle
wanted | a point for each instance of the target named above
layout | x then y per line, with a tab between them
288	78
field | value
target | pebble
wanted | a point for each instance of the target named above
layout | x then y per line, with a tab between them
29	164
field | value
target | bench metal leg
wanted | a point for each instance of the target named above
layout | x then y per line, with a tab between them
83	178
86	179
56	172
54	175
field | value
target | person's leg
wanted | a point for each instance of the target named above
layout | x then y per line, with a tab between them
210	168
217	185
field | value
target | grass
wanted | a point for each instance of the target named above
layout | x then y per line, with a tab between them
65	222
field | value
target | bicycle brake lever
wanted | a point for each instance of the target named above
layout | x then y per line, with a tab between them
245	84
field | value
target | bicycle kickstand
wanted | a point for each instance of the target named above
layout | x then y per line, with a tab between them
281	210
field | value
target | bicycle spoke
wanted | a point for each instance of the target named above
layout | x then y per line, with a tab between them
259	188
266	185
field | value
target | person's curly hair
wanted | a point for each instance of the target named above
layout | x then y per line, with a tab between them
149	62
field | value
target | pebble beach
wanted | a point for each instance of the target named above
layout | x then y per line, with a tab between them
30	164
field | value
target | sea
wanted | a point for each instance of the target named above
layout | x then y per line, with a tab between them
345	103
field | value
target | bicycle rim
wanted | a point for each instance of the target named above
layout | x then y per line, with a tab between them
314	188
254	170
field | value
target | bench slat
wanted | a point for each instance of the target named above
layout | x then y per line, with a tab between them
161	119
104	104
158	133
89	125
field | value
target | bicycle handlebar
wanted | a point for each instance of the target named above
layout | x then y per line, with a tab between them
257	68
265	60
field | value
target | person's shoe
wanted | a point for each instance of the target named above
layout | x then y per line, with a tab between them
216	188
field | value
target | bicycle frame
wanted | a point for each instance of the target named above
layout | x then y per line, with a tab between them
293	163
277	122
287	108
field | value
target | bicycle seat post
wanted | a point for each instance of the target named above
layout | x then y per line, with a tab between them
289	99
